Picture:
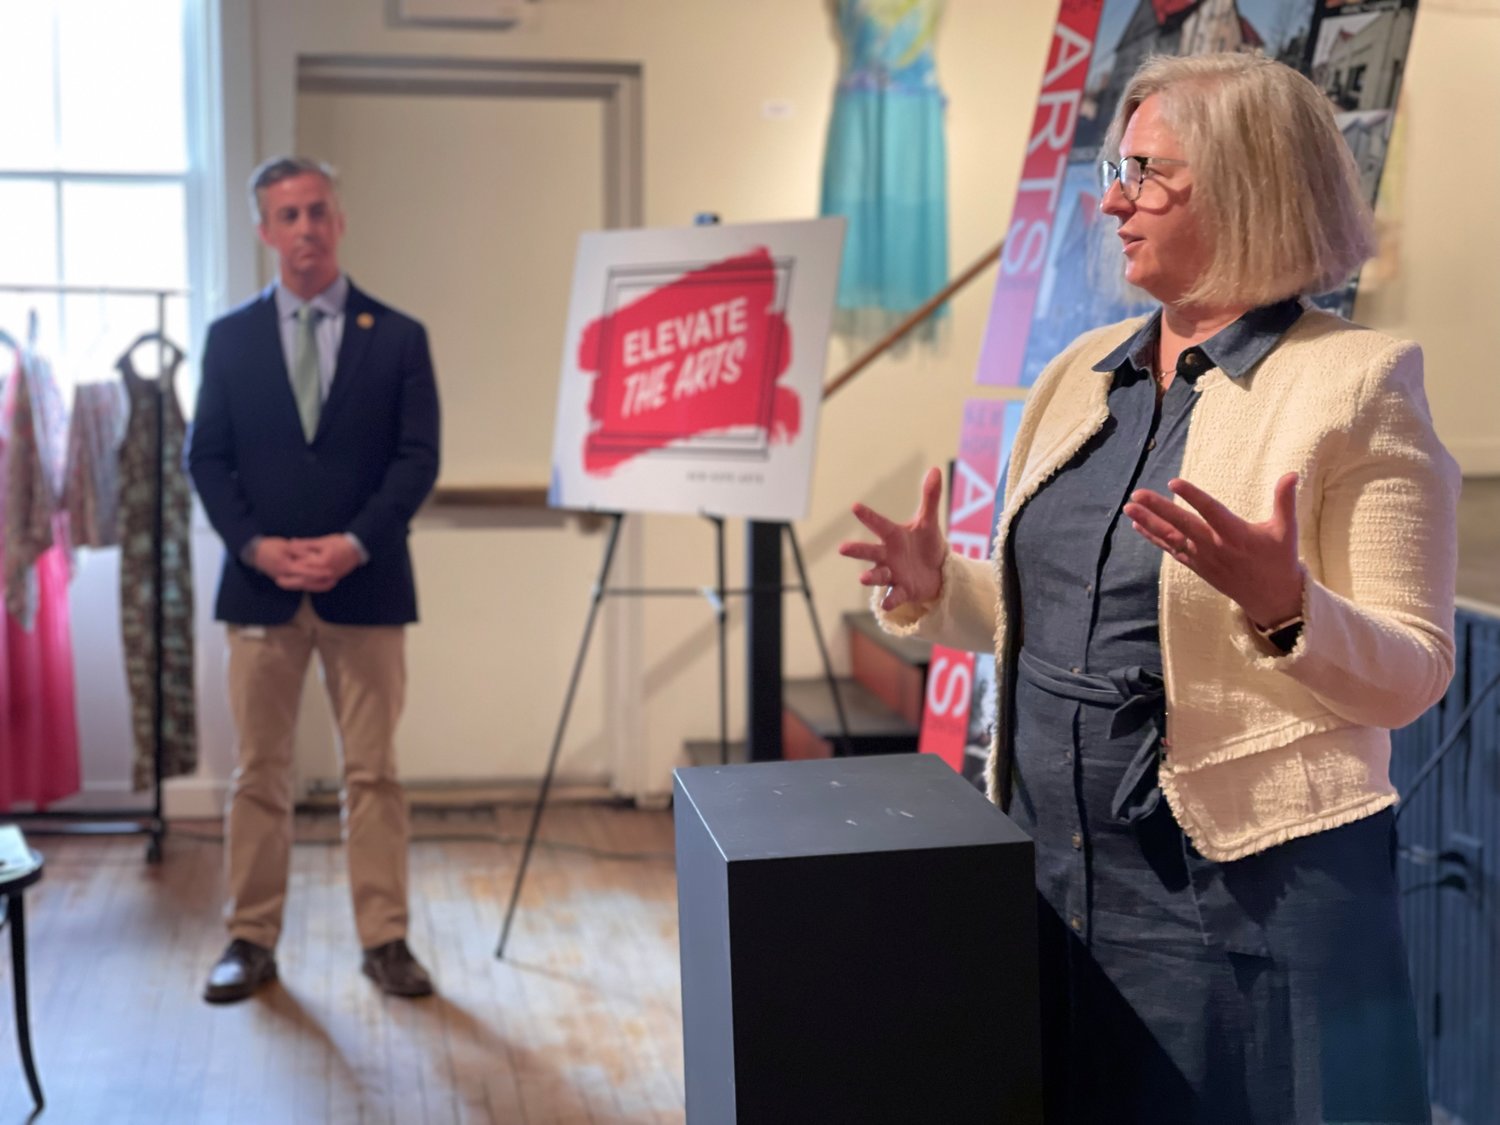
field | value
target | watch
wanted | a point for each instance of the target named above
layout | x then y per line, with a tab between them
1283	634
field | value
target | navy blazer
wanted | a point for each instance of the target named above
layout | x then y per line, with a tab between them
367	470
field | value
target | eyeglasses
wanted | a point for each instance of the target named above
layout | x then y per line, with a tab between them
1131	172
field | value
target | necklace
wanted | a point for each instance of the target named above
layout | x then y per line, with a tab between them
1160	379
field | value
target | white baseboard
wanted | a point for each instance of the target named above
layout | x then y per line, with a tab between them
185	798
195	798
205	798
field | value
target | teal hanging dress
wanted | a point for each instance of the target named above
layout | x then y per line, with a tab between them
886	165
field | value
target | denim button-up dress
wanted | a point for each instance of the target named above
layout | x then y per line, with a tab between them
1176	989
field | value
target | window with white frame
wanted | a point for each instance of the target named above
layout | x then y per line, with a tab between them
95	176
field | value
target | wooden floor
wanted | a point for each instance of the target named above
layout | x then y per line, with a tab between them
581	1022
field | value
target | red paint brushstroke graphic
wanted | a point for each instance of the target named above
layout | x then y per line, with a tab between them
702	355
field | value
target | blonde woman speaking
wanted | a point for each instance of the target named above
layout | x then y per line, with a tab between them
1224	569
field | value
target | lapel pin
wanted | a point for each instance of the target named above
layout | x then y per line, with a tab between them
364	320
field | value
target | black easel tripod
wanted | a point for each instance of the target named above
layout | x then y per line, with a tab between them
717	597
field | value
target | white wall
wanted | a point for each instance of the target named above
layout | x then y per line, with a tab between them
1438	283
709	66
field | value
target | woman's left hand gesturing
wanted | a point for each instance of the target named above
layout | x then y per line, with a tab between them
1253	564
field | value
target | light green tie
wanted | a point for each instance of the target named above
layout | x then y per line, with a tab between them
307	380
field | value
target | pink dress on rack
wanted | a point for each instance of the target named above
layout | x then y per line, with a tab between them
39	761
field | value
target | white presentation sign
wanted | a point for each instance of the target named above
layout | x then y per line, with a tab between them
693	367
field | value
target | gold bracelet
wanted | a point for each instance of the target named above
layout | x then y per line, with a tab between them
1268	631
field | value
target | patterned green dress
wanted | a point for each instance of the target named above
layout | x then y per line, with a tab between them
138	487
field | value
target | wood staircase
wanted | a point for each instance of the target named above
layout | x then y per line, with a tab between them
882	701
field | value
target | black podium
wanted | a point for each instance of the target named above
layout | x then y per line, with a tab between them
858	945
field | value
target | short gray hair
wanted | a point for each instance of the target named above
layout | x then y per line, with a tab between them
1274	182
280	168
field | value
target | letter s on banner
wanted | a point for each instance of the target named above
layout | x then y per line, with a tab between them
949	687
945	718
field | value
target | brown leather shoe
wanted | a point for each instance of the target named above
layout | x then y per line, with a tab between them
242	969
395	970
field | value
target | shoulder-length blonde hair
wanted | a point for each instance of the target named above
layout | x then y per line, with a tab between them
1274	184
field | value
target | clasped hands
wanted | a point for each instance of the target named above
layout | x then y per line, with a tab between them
1255	565
313	565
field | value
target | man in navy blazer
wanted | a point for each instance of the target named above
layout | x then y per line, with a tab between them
314	442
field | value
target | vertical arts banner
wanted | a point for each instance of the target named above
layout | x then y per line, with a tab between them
958	683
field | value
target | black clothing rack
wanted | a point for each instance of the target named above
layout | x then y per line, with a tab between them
125	821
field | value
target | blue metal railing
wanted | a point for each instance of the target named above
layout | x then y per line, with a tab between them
1449	870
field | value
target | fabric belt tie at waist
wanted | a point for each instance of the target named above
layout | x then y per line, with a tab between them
1139	696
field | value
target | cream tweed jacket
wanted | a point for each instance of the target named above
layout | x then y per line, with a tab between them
1260	747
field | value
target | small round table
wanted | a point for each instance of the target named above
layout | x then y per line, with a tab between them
13	886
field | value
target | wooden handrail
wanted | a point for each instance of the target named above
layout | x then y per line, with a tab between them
514	497
989	258
489	496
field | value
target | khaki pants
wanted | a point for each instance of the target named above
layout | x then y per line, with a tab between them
364	670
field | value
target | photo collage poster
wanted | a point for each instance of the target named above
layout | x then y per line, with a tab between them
1045	296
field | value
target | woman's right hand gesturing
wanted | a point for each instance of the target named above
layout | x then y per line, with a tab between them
909	556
